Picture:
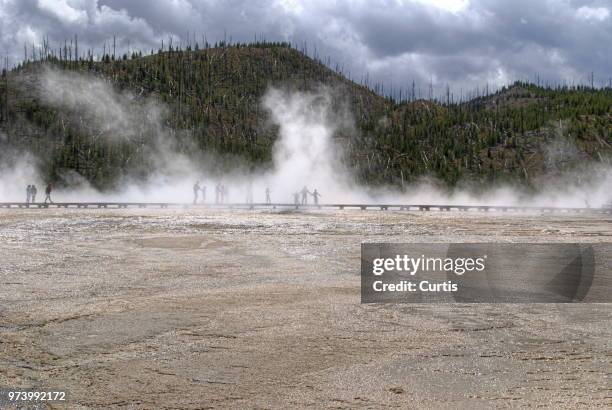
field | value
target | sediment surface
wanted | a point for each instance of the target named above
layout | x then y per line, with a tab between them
261	309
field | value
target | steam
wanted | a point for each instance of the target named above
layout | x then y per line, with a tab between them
307	153
17	170
122	116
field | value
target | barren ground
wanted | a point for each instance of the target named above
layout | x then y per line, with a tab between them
202	308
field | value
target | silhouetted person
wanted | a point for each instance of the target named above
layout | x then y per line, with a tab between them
33	193
218	193
222	192
296	198
196	190
315	195
305	193
28	194
48	191
203	189
268	199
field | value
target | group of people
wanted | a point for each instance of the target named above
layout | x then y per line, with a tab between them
304	194
31	192
222	193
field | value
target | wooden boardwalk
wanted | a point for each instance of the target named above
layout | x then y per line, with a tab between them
382	207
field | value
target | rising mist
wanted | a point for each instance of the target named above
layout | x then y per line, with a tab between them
305	154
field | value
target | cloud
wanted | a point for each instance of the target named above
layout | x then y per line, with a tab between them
64	11
463	43
593	13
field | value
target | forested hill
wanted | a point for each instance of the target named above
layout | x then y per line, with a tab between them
214	99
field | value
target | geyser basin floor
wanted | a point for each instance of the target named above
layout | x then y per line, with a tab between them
172	308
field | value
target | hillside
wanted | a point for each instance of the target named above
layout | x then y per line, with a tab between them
214	97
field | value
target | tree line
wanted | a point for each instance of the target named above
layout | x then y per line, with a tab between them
214	92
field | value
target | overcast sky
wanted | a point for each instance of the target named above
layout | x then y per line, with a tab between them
462	43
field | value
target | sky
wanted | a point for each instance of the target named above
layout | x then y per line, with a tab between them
460	43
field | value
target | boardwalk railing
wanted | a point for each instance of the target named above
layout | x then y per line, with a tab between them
383	207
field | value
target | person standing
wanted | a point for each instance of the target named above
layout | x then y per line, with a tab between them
268	199
196	190
315	195
305	193
28	193
33	193
48	191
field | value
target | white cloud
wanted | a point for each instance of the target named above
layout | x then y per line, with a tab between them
66	11
453	6
593	13
291	6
